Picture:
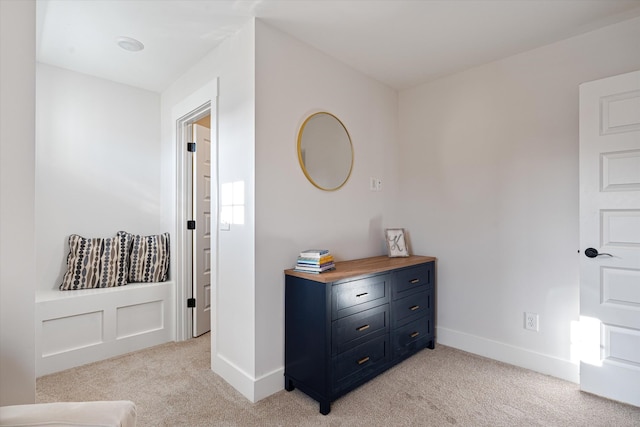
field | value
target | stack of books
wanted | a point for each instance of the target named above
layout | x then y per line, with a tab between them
315	261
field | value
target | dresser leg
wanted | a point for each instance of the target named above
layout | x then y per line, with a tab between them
288	385
325	407
432	344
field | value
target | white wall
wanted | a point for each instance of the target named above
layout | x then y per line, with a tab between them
292	81
489	162
97	164
17	194
268	84
233	332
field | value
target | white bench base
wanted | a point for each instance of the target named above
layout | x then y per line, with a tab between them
74	328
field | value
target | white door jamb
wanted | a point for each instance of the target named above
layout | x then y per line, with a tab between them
199	104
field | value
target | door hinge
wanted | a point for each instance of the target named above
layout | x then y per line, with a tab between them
191	225
191	303
191	147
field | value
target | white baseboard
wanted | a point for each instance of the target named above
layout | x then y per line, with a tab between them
269	384
254	389
545	364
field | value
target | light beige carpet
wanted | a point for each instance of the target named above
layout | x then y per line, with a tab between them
172	385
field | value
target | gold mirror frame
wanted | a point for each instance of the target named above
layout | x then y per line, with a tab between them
336	157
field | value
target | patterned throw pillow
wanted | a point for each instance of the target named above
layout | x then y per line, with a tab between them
83	263
114	260
149	259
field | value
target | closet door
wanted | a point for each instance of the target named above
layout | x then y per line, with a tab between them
610	237
202	237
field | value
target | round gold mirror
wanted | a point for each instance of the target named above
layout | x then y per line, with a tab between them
325	151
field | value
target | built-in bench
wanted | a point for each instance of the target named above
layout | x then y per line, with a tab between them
77	327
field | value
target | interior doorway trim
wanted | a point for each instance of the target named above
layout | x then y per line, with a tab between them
199	104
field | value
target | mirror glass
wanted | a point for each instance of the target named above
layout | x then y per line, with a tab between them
325	151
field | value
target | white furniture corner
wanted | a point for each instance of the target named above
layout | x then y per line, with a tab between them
116	413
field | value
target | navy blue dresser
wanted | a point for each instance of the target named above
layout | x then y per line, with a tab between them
346	326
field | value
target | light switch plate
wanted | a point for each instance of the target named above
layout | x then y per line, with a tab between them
373	183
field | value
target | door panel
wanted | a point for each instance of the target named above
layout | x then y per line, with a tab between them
610	223
620	228
621	171
620	286
202	237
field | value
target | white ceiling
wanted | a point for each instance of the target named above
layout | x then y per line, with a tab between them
401	43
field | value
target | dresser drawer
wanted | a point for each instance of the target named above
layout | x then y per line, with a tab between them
354	365
406	335
411	307
412	279
352	330
357	295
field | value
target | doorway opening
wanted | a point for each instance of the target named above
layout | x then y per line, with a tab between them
196	211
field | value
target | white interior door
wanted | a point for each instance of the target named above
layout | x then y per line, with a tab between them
610	225
202	237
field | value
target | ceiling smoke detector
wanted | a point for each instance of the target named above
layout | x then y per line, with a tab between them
127	43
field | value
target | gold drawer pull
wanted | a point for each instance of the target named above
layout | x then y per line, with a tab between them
415	334
361	295
414	308
363	360
414	281
362	328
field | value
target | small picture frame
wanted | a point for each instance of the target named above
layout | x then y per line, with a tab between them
396	242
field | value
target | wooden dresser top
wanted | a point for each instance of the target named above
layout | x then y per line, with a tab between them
359	267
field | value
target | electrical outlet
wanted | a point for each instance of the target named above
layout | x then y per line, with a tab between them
531	321
378	184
